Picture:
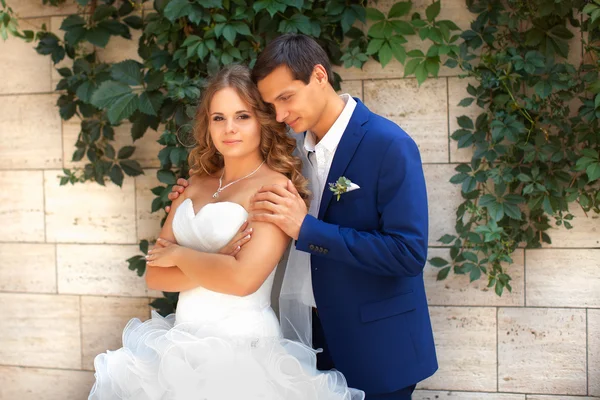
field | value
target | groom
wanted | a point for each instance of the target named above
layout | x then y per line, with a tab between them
368	245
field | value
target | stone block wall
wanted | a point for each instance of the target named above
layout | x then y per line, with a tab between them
66	292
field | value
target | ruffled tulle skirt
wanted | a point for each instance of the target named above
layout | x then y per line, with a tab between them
163	361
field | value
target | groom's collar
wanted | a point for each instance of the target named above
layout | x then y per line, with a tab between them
359	117
332	137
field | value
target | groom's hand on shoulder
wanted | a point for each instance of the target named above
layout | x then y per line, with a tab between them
176	190
281	206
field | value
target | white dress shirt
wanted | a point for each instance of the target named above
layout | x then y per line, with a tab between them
319	156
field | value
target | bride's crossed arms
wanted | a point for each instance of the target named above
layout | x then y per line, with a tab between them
173	268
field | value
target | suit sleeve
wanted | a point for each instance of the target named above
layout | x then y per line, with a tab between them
399	246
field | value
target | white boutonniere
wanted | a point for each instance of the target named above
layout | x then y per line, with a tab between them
342	186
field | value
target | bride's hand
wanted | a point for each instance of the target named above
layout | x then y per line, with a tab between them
239	240
164	254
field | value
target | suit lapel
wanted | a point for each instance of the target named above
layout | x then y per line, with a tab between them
345	151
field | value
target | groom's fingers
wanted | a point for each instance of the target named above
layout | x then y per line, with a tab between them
277	189
292	189
264	205
265	196
263	217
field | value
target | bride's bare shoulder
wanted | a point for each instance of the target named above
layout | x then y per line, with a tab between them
271	177
197	180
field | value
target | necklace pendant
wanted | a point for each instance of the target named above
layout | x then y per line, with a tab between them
216	195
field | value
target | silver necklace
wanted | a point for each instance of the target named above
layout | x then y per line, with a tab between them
221	188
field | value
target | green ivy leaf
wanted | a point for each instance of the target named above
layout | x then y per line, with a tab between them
465	122
421	72
229	33
400	9
543	88
49	45
385	54
466	102
447	239
397	49
128	72
166	177
123	108
469	185
144	246
402	27
411	67
150	102
134	21
374	14
374	46
98	36
108	92
438	262
593	171
272	6
177	9
103	11
443	274
475	274
433	10
85	91
131	167
116	175
126	152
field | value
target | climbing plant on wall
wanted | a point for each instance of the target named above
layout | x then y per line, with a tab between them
535	143
182	43
533	67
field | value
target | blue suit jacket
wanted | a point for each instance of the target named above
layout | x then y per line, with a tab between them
368	251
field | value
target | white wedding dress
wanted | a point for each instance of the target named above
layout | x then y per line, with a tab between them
216	346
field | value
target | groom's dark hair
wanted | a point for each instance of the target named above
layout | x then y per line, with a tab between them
300	53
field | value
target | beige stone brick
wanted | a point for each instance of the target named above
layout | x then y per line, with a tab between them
40	330
89	213
31	132
34	8
22	206
465	340
542	351
420	111
23	70
28	268
354	88
98	270
443	199
563	278
44	384
593	331
146	148
148	222
456	289
457	90
442	395
585	231
540	397
102	323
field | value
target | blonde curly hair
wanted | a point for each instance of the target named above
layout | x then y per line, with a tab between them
276	146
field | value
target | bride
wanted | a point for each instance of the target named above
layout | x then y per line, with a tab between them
224	342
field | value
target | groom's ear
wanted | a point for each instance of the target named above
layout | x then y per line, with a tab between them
320	74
